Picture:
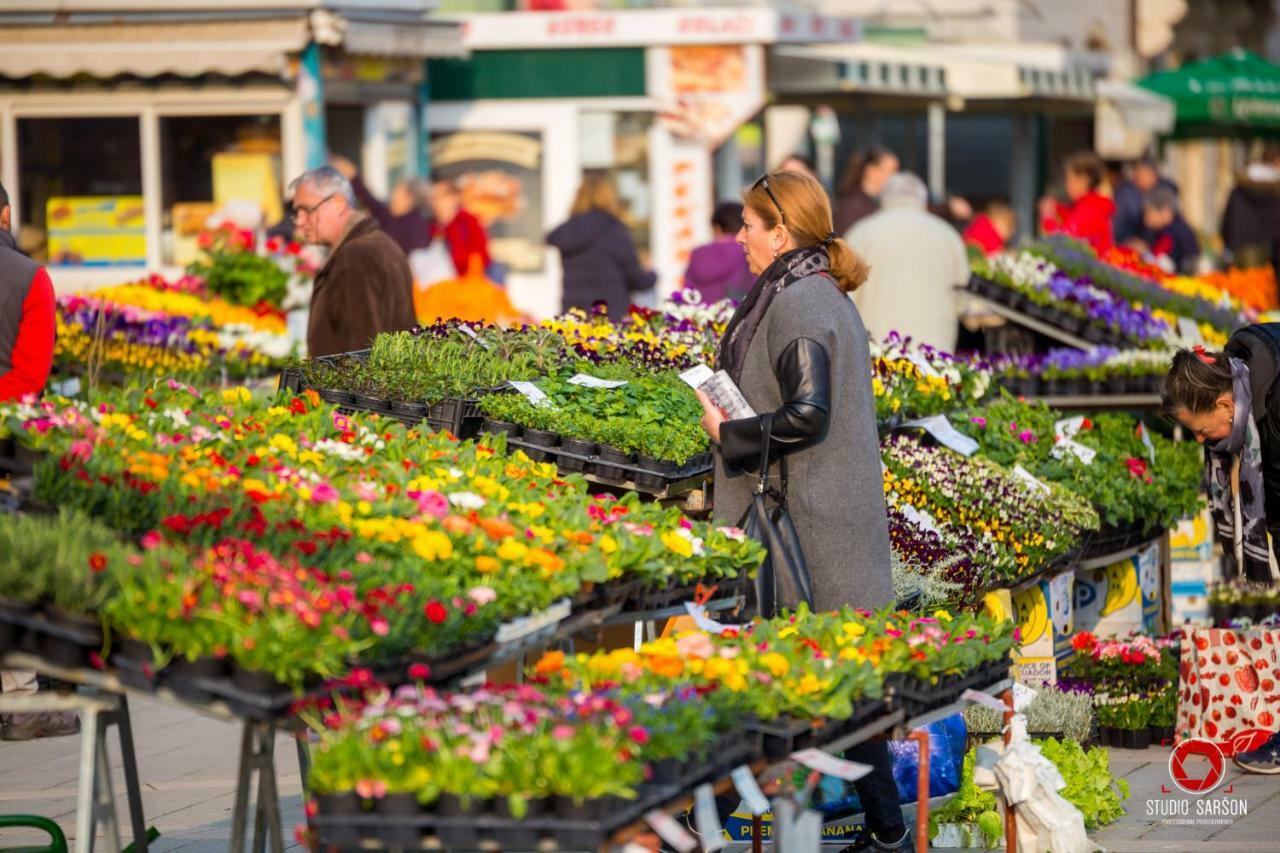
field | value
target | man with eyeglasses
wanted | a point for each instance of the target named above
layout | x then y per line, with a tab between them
365	287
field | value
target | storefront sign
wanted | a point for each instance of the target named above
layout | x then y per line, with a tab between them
500	176
707	91
644	27
97	231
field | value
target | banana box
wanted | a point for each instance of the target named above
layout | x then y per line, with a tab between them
1192	540
1045	618
1189	589
1120	598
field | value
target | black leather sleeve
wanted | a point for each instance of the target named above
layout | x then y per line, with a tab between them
804	380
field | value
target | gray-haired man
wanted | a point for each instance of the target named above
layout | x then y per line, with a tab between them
365	287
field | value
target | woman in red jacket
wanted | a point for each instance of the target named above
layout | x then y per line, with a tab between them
1088	215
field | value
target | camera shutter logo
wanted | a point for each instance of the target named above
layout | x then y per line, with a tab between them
1182	766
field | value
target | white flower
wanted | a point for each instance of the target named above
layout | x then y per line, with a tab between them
338	448
178	417
466	500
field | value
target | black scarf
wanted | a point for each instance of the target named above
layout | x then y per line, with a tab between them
791	267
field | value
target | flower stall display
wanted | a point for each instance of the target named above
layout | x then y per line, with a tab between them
1009	527
1254	288
157	328
1132	479
913	381
1073	301
1071	372
1134	682
233	268
431	542
1236	600
1051	712
1079	260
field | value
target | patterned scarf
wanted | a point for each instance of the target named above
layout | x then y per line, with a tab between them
1249	545
791	267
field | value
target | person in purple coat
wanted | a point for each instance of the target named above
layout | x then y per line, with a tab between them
719	270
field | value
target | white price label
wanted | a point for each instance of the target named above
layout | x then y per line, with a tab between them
1146	440
700	618
980	698
707	818
1189	331
940	428
470	333
920	519
670	831
1031	480
828	765
1068	427
66	388
745	783
694	377
531	392
1022	696
1084	454
592	382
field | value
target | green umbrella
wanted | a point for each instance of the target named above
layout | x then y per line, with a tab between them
1237	93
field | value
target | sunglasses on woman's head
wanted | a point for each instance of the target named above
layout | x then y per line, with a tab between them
763	183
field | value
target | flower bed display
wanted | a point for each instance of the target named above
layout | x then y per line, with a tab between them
1071	372
1125	481
1072	301
432	542
1134	682
1079	260
916	381
155	328
1008	528
233	268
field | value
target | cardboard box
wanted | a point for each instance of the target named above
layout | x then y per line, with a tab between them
1192	540
1189	583
1045	616
1120	598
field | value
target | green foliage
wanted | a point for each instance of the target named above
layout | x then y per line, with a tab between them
240	275
1090	786
58	561
1050	711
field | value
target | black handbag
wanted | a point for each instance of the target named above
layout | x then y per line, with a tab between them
783	579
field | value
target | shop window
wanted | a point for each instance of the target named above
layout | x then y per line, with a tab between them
212	165
80	196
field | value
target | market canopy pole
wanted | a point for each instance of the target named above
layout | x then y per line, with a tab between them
1235	94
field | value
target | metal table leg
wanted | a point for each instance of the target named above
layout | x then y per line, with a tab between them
85	801
257	759
133	790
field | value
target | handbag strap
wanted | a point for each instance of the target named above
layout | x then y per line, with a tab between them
762	487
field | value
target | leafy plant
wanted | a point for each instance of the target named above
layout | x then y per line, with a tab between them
233	270
1051	710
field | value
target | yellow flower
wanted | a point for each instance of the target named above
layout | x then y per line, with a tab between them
432	545
776	664
855	629
486	564
677	544
239	394
512	551
942	615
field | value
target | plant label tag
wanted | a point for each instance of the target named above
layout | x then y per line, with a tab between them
745	783
828	765
919	519
1022	696
1068	427
694	377
531	392
922	364
66	388
670	831
592	382
707	818
1189	332
700	618
1146	440
1084	454
985	699
471	333
940	428
1030	479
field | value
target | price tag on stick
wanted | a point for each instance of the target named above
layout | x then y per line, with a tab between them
828	765
745	782
592	382
670	831
531	392
940	428
980	698
707	818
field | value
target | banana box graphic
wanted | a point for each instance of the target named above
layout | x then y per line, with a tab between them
1192	540
1045	617
1122	597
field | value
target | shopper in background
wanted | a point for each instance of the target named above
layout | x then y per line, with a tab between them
599	260
864	178
1087	215
401	217
365	286
799	164
917	261
468	244
1251	219
992	229
1130	197
796	347
719	270
1165	235
27	333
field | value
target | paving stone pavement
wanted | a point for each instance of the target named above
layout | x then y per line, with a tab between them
187	764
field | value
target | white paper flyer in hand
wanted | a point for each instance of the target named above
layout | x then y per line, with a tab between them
721	389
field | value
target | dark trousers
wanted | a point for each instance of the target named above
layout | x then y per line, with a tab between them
877	790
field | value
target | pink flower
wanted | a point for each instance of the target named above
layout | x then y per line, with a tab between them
250	599
364	558
562	732
1027	436
639	735
419	671
380	627
981	423
482	595
431	503
371	789
324	494
696	645
150	540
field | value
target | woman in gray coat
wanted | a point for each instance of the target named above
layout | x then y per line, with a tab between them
797	348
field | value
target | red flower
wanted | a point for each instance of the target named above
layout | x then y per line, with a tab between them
1137	467
298	406
1083	641
97	561
435	612
419	671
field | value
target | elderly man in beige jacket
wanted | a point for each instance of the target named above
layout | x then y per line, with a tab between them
917	261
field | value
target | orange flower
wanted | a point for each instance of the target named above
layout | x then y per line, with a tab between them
666	666
551	663
497	529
